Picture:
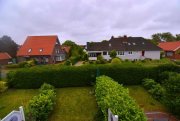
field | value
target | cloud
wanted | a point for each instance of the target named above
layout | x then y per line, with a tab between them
87	20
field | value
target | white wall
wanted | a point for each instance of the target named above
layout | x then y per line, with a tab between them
135	55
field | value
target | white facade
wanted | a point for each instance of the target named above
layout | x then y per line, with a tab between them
131	55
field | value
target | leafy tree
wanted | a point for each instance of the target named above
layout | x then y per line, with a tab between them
8	45
168	37
156	37
76	52
69	43
178	37
113	54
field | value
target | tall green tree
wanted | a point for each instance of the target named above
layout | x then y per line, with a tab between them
113	54
178	37
8	45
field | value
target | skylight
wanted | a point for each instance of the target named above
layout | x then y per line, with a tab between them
40	50
29	50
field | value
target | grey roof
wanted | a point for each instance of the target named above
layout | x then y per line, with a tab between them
123	44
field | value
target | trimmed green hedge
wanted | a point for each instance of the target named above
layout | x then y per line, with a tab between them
110	94
68	76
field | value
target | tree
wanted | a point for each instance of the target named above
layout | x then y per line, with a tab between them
113	54
8	45
167	37
69	43
178	37
156	37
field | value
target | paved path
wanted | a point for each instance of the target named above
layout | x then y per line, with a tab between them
160	116
79	63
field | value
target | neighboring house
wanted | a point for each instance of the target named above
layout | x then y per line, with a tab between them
5	58
44	49
171	49
132	48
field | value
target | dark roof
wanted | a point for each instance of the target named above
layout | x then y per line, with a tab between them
123	44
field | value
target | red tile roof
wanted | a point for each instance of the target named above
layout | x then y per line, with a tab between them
34	44
4	55
169	46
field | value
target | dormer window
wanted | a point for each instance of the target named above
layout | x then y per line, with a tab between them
29	50
40	50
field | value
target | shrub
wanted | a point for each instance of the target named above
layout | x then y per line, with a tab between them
116	61
67	63
12	66
157	91
3	86
110	94
42	105
148	83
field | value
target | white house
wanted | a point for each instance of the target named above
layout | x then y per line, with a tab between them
132	48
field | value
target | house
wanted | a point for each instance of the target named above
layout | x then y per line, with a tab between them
171	49
5	58
132	48
44	49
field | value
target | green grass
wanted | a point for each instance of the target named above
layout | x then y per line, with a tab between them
12	99
74	104
145	100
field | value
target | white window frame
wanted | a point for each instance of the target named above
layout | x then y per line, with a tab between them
130	52
121	53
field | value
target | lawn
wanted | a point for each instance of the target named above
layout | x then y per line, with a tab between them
145	100
74	104
12	99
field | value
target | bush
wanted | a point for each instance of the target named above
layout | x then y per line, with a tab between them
69	76
12	66
3	86
111	95
42	105
67	63
157	91
148	83
116	61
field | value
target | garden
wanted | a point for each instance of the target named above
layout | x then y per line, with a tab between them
78	91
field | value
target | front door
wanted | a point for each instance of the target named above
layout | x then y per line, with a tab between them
143	52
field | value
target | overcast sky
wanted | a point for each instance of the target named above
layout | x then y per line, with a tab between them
88	20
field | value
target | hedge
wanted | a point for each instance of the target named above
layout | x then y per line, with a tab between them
111	95
68	76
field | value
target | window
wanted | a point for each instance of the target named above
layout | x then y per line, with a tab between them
143	43
29	50
169	53
109	44
92	54
57	51
104	53
129	43
120	52
40	50
130	52
134	43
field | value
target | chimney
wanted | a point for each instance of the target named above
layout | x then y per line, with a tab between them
112	37
125	36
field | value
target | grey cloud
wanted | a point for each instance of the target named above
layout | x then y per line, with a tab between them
87	20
